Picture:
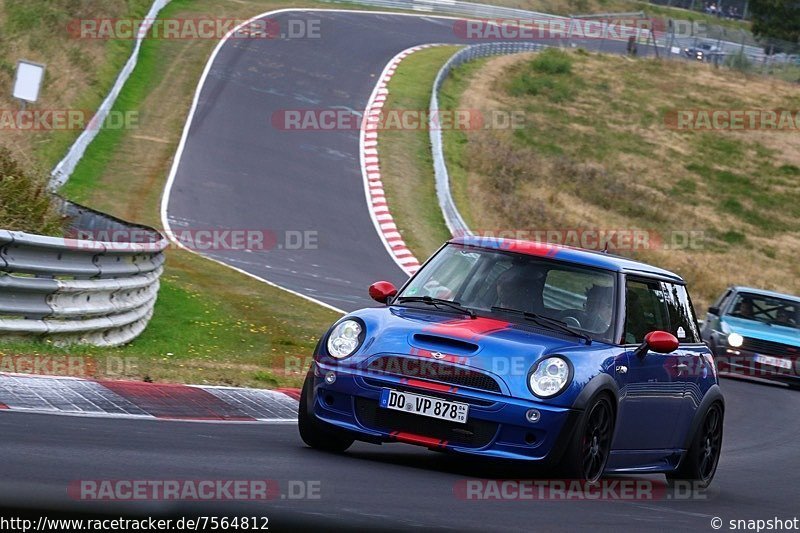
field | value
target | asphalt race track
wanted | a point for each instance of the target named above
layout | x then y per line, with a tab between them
238	172
392	486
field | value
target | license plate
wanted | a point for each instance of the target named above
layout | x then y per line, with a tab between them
773	361
417	404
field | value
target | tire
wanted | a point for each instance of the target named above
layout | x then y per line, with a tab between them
587	453
314	432
699	463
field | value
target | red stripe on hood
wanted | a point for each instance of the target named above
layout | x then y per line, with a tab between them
468	329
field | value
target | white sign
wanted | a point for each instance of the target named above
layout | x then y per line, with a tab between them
28	80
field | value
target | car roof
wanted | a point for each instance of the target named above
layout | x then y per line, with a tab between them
764	292
569	254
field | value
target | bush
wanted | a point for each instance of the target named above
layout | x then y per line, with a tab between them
549	75
25	203
552	61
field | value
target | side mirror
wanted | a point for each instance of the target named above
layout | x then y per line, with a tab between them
713	310
659	342
381	291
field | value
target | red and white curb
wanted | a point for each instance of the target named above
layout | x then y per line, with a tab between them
136	399
371	171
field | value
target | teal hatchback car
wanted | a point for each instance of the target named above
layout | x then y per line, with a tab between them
756	333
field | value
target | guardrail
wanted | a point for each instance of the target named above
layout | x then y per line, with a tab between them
76	290
62	171
555	297
453	219
664	39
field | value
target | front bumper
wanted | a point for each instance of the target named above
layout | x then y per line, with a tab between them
743	362
496	425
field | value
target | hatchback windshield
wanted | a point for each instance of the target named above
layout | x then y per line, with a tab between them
775	311
499	282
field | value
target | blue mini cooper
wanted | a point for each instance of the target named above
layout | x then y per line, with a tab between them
579	361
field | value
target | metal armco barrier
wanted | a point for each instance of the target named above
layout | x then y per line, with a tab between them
74	290
63	170
554	297
453	219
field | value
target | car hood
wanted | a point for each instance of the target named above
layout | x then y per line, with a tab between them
505	349
759	330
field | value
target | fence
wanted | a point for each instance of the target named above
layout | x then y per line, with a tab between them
76	290
722	45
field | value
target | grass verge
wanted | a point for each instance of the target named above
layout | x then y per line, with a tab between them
597	151
406	163
211	324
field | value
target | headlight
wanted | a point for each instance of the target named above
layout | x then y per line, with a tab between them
549	377
735	340
344	339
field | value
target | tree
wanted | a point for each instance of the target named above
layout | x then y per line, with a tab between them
776	20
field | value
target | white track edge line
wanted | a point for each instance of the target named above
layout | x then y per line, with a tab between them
165	195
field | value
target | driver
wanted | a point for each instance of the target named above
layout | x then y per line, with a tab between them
746	308
515	288
599	309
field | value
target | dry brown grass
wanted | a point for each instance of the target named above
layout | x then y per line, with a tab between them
603	158
78	73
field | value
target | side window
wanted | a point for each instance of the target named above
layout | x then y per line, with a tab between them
644	310
724	299
683	323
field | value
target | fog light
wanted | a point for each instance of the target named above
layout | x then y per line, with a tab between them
330	377
532	416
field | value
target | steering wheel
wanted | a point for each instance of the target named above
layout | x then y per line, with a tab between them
571	320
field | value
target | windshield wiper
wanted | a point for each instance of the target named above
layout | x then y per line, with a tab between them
545	321
438	302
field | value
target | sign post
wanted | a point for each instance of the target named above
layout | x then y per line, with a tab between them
28	81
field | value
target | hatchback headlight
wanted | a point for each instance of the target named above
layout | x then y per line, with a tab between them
549	377
345	339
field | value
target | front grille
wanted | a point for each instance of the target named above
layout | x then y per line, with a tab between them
473	434
433	370
770	348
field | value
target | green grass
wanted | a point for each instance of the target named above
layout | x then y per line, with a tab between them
105	146
594	152
406	163
211	324
195	336
41	26
454	142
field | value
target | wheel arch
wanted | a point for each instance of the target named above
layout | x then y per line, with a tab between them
712	396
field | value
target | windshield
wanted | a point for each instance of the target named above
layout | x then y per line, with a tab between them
498	282
767	309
